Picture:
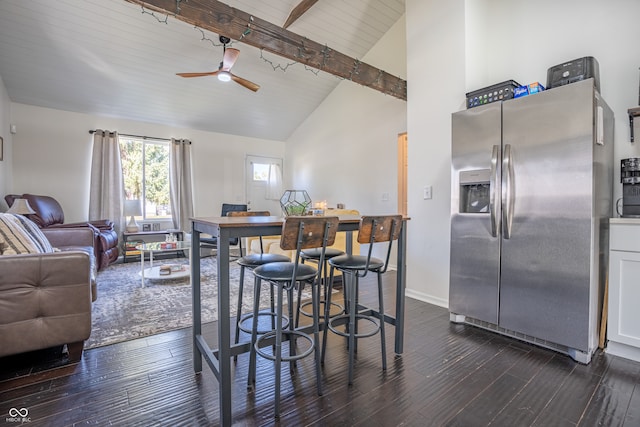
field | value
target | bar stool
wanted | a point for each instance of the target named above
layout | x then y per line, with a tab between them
373	230
251	261
314	256
298	233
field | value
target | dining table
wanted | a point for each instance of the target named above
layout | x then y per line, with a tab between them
223	228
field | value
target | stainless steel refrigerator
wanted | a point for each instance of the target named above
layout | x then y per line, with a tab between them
532	182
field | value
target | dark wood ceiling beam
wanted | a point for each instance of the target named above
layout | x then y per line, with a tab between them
223	19
298	11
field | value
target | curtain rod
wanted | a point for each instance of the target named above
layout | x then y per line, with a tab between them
92	131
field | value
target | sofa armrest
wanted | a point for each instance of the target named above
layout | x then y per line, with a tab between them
45	300
103	224
62	236
98	225
105	239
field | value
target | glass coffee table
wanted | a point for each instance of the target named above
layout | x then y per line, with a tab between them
170	271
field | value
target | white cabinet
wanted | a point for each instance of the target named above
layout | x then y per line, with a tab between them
623	321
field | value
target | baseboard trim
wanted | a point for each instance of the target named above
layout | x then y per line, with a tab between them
427	298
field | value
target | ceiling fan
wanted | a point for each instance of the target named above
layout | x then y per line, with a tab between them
224	70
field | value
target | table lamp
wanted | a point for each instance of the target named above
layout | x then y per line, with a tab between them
132	208
21	207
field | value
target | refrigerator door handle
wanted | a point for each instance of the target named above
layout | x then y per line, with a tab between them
493	188
508	194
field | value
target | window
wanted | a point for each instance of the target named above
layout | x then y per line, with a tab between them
145	167
260	172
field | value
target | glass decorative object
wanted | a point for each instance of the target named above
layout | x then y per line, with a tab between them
295	202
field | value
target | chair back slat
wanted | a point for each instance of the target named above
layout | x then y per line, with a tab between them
249	213
310	230
387	228
230	207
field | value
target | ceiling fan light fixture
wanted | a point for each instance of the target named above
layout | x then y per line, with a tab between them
224	76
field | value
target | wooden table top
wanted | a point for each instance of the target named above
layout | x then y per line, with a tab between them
243	221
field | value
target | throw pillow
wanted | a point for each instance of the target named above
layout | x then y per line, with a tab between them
19	235
36	234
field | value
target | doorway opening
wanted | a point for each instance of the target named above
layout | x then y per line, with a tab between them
402	174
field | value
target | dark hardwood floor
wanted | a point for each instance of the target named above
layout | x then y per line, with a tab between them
453	375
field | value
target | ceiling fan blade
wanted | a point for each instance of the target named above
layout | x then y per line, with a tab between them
230	56
298	11
246	83
210	73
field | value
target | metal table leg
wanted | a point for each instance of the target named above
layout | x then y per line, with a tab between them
401	284
224	328
142	266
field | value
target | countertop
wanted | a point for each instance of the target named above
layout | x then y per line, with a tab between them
630	221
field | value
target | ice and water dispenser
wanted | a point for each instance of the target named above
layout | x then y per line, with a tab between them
474	191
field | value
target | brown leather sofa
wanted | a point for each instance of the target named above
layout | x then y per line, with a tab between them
45	299
49	214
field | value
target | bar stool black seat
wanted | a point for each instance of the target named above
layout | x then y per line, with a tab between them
298	233
251	261
373	230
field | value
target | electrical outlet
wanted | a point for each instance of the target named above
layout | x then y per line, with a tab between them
426	195
385	197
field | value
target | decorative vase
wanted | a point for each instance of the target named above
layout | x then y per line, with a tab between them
295	202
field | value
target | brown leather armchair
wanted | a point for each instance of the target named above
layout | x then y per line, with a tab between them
49	214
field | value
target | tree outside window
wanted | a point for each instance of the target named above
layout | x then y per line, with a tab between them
145	167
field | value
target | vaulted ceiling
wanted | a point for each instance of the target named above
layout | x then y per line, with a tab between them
120	59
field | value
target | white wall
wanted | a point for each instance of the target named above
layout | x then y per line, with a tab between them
457	46
435	53
5	164
52	156
346	151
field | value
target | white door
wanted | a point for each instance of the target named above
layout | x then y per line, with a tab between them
257	171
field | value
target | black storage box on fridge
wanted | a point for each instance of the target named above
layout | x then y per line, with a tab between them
574	71
497	92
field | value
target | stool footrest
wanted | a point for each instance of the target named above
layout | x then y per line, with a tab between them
322	304
249	316
343	317
288	358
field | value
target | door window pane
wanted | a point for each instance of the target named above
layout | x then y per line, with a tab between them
260	172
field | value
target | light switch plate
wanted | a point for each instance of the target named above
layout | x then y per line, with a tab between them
426	195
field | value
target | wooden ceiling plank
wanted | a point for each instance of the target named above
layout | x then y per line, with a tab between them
223	19
298	11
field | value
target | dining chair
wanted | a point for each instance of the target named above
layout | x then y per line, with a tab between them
298	233
373	230
212	242
251	261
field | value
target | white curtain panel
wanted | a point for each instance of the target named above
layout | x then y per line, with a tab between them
180	184
274	182
107	183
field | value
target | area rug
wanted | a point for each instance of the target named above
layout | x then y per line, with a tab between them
125	310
